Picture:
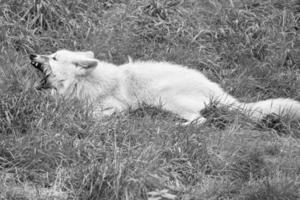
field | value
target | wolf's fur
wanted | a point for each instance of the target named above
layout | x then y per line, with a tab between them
176	88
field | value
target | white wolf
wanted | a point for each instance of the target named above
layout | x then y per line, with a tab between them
112	88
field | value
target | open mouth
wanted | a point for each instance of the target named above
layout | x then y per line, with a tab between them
42	82
37	65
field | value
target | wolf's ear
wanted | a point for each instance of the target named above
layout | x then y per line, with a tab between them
83	67
130	60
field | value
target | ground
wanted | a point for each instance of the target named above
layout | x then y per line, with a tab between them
53	149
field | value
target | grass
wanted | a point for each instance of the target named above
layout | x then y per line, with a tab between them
53	149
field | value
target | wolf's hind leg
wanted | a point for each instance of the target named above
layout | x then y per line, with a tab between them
187	107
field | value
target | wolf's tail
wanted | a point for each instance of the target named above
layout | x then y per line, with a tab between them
280	106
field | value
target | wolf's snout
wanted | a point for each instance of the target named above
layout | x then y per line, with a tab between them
32	56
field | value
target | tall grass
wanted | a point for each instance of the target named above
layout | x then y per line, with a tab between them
51	148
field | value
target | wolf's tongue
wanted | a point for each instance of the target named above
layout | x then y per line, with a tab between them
40	83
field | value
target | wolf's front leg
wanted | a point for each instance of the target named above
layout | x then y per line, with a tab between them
111	105
108	111
100	111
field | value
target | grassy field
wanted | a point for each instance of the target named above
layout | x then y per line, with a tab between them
53	149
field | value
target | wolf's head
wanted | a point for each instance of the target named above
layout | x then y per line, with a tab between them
62	69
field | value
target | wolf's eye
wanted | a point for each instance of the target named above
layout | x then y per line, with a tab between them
54	58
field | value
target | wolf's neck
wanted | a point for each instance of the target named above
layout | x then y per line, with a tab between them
99	83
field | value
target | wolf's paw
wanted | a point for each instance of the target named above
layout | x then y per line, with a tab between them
198	121
101	113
